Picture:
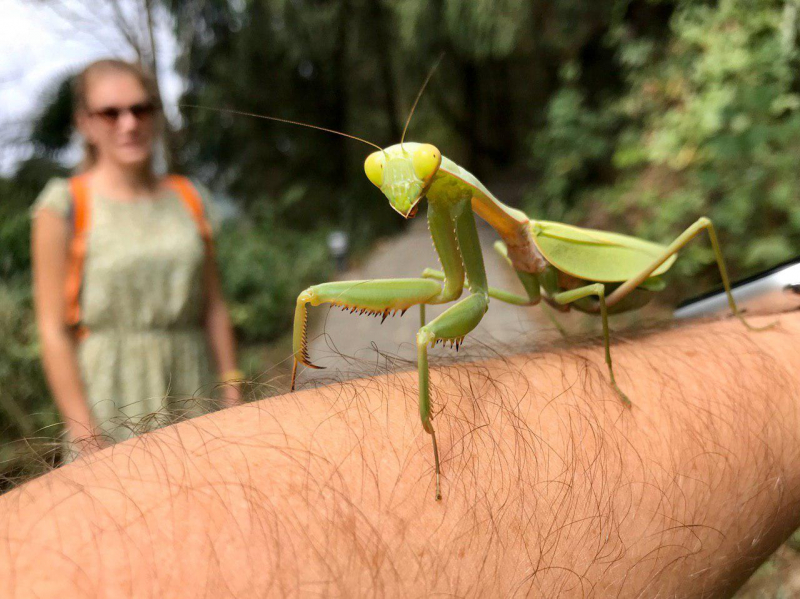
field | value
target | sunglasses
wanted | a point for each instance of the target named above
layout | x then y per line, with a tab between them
112	114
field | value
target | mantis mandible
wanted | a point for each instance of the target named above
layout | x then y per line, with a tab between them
595	272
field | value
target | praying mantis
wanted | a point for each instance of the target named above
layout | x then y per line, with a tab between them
595	272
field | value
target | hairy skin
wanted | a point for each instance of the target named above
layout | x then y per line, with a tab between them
551	487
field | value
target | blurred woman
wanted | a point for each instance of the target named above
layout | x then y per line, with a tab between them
128	299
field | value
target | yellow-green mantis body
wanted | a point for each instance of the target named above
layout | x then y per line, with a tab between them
568	267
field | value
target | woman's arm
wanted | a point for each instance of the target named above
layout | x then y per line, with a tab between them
551	487
49	242
220	332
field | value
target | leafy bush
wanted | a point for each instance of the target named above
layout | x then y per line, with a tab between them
15	242
263	268
17	193
28	417
573	150
709	124
26	409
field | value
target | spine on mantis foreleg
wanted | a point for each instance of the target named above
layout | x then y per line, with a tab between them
301	332
300	335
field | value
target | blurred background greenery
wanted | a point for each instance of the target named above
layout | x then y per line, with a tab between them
632	115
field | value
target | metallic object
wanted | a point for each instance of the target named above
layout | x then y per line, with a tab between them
774	290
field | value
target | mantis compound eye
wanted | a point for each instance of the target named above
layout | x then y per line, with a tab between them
426	161
373	167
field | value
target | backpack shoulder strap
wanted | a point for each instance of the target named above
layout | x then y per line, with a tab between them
194	205
76	253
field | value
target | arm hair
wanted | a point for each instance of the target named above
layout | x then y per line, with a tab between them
551	487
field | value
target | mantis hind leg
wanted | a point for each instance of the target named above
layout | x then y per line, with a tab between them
599	290
690	233
452	325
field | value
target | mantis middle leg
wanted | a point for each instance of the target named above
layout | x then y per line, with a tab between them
599	290
532	298
532	285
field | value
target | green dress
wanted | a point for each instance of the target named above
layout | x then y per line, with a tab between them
145	361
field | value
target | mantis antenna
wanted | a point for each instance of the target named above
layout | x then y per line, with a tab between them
419	95
273	118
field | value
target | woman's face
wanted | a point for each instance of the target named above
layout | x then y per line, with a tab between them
119	119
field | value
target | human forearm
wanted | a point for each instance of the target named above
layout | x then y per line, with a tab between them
550	485
219	332
223	345
63	376
220	338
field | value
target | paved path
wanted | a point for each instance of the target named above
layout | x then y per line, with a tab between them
348	344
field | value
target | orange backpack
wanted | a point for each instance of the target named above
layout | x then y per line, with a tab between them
80	228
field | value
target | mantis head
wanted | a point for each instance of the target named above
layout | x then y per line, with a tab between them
404	172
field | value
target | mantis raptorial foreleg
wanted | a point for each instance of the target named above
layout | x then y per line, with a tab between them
378	297
457	321
499	294
453	325
383	296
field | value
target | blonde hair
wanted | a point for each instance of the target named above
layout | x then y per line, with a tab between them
80	90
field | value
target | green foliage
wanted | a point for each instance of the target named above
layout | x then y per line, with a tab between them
263	268
302	50
480	29
26	410
17	194
15	241
355	67
707	124
572	151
